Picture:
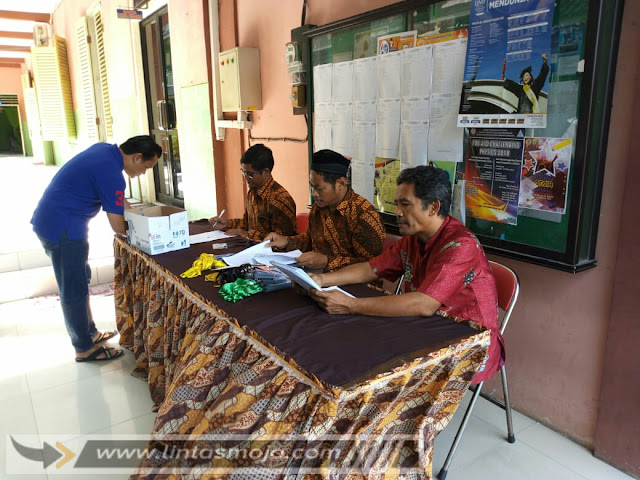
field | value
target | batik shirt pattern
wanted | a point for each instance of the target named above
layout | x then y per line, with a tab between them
269	209
351	233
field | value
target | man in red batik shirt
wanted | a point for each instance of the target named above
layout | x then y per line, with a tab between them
445	267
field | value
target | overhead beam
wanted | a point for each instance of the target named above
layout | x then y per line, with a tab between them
28	16
11	62
14	48
21	35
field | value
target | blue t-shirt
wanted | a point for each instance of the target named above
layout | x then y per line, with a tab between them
90	180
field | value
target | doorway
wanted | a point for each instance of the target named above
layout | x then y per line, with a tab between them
10	134
158	76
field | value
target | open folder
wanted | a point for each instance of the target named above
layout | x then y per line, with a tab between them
299	276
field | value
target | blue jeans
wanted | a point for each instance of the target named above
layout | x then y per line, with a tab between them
73	274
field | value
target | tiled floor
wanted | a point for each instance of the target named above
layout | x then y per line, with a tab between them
44	391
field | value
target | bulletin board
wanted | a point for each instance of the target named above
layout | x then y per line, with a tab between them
531	182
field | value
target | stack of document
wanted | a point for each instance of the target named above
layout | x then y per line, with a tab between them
299	276
260	254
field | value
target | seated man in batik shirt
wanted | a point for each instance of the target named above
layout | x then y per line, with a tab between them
344	228
269	206
444	266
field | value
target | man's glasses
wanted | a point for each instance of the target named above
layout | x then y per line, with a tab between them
248	174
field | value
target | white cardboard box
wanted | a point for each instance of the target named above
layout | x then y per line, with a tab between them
157	229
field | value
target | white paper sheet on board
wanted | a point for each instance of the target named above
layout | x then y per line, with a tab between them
364	73
415	109
416	74
364	111
389	75
414	143
342	82
322	83
448	66
388	128
341	133
445	139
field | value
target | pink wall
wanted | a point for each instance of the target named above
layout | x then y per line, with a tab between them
618	427
556	342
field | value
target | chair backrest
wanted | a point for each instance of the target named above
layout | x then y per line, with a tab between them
303	222
389	241
508	286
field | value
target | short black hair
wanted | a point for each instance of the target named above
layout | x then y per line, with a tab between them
259	157
429	184
330	165
144	144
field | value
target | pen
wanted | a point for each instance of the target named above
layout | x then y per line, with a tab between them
219	217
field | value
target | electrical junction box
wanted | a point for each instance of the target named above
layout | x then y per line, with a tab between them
240	87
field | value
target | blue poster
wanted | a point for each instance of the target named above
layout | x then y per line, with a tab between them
506	77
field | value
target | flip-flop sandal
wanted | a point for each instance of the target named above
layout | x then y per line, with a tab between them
101	351
104	336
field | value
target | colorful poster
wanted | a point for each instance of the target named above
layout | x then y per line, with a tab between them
506	75
429	38
384	185
396	42
545	170
492	174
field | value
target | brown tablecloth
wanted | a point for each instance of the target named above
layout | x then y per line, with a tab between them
276	364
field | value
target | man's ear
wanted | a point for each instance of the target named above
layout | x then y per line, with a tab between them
342	181
434	207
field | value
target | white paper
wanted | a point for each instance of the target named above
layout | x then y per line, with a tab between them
364	142
416	74
389	75
342	82
299	276
364	71
415	109
341	132
364	111
286	258
322	83
414	143
388	127
445	139
322	135
448	66
362	175
208	236
323	111
247	255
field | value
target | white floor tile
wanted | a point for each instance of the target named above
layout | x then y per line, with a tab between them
9	262
91	404
516	461
13	387
138	426
497	417
569	453
479	438
33	259
17	418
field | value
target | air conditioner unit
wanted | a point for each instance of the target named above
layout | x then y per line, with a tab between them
42	35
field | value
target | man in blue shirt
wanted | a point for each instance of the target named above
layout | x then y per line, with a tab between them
89	181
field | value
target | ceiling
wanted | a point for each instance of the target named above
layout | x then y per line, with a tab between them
16	27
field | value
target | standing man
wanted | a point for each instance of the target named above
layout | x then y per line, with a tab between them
89	181
269	206
443	264
344	228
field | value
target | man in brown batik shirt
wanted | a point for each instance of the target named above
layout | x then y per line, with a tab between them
344	228
269	206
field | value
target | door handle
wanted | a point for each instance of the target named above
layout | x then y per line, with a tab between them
161	108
